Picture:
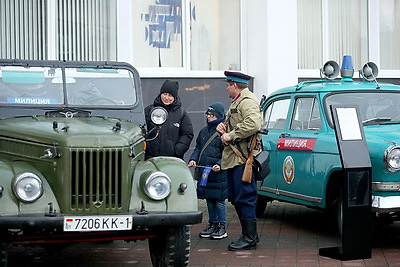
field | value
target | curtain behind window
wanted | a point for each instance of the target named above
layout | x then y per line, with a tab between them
23	29
389	25
328	30
86	30
309	34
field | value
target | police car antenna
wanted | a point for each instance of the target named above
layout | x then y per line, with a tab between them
372	74
369	72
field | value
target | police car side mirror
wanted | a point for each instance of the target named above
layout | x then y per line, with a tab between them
263	131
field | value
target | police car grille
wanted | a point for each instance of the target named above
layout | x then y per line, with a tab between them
96	179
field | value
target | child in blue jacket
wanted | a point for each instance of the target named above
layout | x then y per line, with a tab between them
215	190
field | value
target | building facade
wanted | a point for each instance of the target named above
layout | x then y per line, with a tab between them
194	41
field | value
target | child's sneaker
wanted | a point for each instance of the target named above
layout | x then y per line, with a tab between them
219	233
208	230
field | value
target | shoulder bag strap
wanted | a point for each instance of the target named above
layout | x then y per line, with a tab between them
206	144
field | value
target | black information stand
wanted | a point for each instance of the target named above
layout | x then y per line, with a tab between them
357	214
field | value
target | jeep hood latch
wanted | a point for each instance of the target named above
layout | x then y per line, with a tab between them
49	154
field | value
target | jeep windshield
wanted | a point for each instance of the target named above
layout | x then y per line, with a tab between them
380	107
100	88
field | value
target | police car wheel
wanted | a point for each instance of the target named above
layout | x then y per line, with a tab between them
171	247
339	214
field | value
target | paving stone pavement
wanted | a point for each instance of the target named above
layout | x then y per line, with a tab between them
290	235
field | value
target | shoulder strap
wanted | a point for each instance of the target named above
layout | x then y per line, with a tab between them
207	143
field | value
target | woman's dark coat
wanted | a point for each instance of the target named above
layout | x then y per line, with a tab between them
175	134
216	187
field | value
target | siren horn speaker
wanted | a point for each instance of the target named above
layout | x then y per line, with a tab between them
369	71
330	70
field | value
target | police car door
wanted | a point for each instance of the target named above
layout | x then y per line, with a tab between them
275	119
294	149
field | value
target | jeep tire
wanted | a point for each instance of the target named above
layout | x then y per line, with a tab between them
3	253
171	247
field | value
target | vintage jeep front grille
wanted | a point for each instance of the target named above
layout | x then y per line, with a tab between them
96	179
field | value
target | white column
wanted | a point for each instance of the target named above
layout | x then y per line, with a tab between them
124	31
270	43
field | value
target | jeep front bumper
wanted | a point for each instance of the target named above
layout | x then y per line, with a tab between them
142	220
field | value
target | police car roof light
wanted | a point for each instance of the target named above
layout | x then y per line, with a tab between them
347	69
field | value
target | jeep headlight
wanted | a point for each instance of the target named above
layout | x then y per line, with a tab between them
158	115
392	158
158	186
28	187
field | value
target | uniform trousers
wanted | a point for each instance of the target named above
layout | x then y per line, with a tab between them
242	195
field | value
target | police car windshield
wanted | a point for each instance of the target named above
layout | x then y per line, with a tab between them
374	107
84	87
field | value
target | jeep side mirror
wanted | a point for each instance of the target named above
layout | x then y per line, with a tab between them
149	133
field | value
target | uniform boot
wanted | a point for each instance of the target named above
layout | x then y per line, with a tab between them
249	237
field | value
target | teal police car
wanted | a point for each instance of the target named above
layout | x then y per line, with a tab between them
304	158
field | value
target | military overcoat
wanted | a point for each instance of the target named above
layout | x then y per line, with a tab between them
243	119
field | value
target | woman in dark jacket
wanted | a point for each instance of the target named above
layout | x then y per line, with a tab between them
176	133
215	190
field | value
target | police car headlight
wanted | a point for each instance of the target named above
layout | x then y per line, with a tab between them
392	158
158	186
28	187
158	115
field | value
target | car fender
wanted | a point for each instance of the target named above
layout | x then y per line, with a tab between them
178	200
11	205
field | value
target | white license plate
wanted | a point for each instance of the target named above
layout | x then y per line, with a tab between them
97	223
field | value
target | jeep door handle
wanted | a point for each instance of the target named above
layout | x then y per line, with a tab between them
283	135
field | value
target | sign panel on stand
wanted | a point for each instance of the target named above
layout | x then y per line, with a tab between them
356	227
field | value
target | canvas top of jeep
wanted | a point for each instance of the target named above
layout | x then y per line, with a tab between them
72	164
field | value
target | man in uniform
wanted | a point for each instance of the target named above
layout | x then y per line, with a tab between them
243	121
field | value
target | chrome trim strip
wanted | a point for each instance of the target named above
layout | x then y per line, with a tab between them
276	191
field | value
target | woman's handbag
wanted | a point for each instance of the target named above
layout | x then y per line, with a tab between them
261	165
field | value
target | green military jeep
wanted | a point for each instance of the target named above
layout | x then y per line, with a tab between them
72	164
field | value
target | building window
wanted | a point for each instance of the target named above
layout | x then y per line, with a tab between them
157	33
62	29
215	35
389	34
193	35
86	30
330	30
309	34
23	32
